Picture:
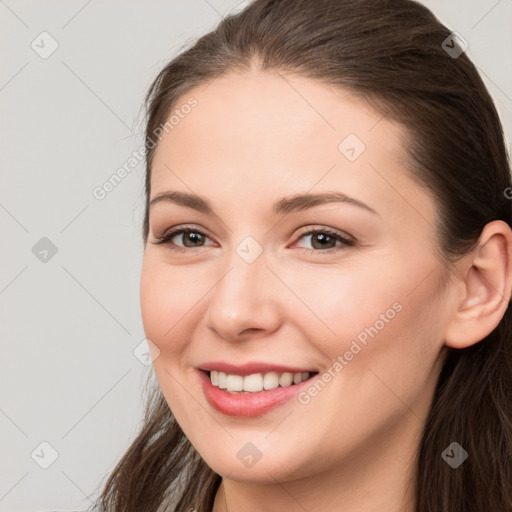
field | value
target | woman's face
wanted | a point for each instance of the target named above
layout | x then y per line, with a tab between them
250	285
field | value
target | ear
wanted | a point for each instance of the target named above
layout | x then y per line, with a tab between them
485	287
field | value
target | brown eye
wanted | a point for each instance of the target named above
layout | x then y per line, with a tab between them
191	238
324	240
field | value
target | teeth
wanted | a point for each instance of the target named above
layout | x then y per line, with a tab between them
271	380
221	380
235	383
286	379
253	382
256	382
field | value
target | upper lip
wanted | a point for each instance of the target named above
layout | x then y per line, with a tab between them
250	368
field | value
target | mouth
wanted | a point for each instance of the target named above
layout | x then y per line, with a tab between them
254	394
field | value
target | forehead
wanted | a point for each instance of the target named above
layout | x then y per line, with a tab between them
269	111
270	134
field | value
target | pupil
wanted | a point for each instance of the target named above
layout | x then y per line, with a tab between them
325	238
194	235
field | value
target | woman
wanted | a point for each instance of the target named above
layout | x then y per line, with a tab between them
326	272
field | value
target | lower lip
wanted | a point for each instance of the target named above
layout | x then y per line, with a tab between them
247	404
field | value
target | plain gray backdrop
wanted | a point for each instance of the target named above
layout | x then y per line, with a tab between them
72	80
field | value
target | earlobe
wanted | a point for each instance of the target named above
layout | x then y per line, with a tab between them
486	287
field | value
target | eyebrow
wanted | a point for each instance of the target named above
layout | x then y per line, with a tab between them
289	204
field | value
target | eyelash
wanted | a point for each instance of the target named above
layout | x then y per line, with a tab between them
166	237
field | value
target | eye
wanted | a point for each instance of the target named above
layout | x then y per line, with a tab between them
324	240
188	235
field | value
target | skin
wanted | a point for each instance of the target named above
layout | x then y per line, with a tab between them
253	139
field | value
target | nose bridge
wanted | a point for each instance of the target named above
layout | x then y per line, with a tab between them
241	298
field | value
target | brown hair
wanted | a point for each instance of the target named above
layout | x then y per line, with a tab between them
390	53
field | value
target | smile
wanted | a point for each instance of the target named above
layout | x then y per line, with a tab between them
251	395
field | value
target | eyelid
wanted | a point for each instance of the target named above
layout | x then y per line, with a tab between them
170	233
346	241
313	228
180	228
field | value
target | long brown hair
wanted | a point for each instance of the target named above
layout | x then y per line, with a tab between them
393	55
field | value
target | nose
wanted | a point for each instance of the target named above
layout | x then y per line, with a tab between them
244	302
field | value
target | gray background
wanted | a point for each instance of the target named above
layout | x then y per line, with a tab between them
71	320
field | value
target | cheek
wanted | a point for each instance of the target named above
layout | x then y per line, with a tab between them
336	304
380	363
168	299
400	337
370	317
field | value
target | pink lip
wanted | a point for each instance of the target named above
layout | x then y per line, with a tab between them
250	404
250	368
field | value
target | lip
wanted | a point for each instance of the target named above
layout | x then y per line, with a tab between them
250	368
251	404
